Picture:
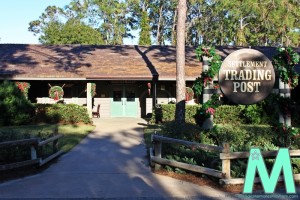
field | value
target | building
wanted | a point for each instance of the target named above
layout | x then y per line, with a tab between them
129	79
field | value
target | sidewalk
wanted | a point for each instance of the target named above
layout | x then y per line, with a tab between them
110	163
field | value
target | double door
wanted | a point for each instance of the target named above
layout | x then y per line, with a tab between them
124	102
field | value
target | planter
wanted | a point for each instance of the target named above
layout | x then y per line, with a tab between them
208	123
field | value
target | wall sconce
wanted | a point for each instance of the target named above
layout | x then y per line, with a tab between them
162	87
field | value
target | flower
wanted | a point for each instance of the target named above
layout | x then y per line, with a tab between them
210	111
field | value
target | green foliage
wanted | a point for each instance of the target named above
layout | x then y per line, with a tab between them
228	114
208	108
72	32
66	113
166	113
14	107
284	63
145	38
207	76
248	22
252	114
185	131
72	136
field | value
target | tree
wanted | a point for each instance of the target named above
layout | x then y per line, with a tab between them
14	107
72	32
180	63
145	38
110	18
53	31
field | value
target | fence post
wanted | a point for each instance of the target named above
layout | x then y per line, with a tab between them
157	153
226	163
55	142
33	152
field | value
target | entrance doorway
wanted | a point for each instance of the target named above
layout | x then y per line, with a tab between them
124	102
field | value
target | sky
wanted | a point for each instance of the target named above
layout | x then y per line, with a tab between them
15	16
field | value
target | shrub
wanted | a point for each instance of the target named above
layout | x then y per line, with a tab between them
166	113
228	114
185	131
14	107
66	113
253	114
243	137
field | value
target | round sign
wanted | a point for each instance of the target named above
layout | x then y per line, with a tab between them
246	76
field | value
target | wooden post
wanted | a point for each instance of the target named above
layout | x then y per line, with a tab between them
157	153
287	118
226	163
89	99
281	87
33	152
55	142
206	96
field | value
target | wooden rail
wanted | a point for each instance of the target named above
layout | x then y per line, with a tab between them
156	159
33	145
225	155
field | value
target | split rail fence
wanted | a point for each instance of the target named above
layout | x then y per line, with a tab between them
225	156
33	145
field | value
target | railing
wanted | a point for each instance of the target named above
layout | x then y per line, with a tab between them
157	160
225	155
33	144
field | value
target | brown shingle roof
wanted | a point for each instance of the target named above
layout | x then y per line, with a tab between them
92	62
21	61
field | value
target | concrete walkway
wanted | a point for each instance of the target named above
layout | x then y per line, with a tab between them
110	163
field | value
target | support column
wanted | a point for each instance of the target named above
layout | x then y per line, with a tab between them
89	104
154	91
281	88
206	95
287	118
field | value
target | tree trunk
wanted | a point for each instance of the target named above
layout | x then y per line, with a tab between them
158	34
180	63
174	28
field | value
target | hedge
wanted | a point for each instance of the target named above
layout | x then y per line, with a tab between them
166	113
65	113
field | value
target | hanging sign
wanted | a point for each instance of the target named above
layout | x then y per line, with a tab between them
246	76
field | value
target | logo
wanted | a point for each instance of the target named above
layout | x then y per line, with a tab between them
256	164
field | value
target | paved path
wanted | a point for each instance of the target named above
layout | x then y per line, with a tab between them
110	163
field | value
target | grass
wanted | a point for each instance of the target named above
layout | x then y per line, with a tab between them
73	134
148	131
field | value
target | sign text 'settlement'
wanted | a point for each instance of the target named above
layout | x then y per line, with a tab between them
246	76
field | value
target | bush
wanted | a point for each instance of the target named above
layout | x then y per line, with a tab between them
15	109
66	113
166	113
228	114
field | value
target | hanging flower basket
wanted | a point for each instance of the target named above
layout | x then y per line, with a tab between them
56	93
24	87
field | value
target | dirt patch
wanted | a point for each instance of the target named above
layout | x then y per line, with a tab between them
202	180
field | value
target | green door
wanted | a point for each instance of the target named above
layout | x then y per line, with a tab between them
124	101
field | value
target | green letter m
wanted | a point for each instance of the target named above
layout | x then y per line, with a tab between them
282	161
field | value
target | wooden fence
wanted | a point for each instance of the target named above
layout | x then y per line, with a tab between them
33	145
225	155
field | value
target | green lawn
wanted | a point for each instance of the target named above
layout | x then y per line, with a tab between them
73	134
148	131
